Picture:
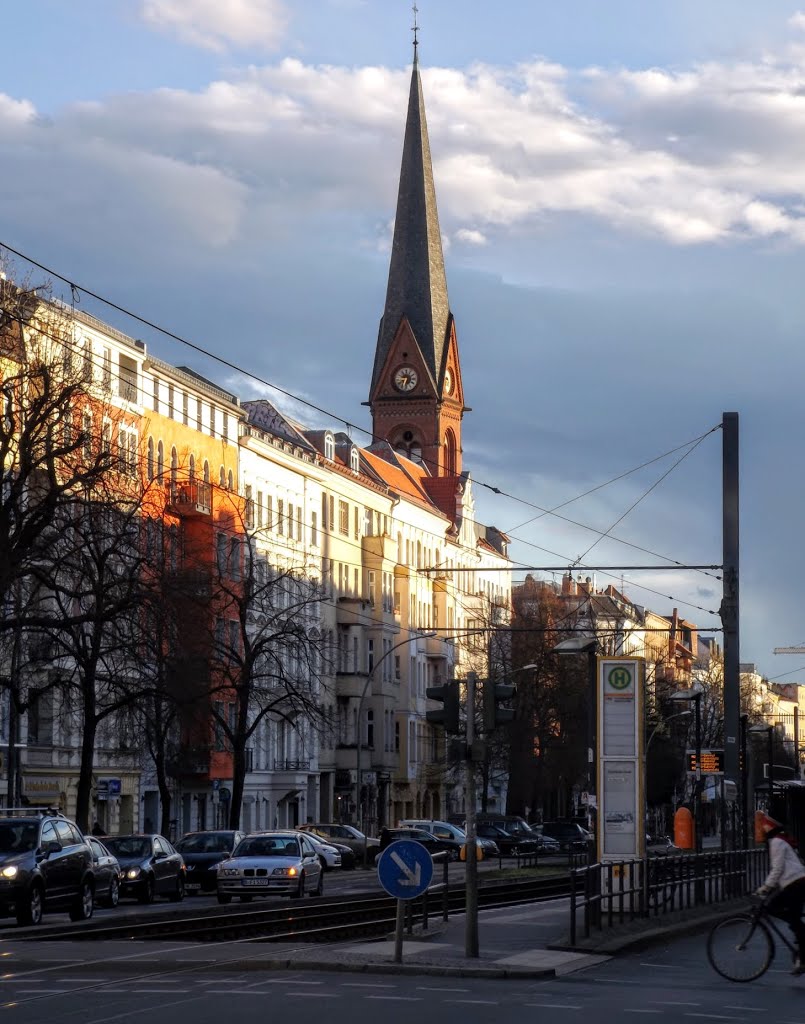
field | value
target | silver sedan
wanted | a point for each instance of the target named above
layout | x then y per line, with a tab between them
271	863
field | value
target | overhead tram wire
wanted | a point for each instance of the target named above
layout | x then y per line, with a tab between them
77	289
77	349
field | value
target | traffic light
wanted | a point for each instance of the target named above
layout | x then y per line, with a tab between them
447	716
496	694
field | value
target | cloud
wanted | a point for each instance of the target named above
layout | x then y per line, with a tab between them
470	237
219	26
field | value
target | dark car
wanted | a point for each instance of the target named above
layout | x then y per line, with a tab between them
202	852
106	869
44	860
431	843
150	865
572	838
509	845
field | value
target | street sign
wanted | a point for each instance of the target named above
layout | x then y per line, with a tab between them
405	869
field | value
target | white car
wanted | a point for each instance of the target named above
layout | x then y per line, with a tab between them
329	857
271	863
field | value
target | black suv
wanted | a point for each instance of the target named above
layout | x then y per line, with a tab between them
44	861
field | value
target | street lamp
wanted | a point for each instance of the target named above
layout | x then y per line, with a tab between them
696	696
359	737
586	645
758	729
677	714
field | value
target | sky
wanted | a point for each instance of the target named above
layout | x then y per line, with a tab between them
621	191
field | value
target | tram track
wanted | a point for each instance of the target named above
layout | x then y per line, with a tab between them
317	920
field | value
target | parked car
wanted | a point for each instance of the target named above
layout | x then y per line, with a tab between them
151	867
106	871
44	861
427	839
202	852
545	844
572	838
447	830
508	844
349	836
328	855
271	863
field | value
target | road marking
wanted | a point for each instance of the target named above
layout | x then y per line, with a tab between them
642	1011
751	1009
364	984
672	1002
40	991
554	1006
712	1016
431	988
399	999
310	995
474	1002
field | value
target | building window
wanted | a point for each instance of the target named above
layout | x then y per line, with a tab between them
220	553
225	427
269	512
170	401
370	728
290	521
367	522
259	510
354	460
86	435
206	472
324	512
106	438
174	472
191	469
299	523
281	517
372	581
343	518
329	447
199	415
160	461
212	420
222	477
106	373
185	408
314	536
249	509
370	655
230	481
150	458
156	394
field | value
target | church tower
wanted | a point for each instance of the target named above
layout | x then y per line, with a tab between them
416	396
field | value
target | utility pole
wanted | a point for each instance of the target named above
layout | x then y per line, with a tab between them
471	877
730	604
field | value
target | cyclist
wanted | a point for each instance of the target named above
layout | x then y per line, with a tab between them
786	879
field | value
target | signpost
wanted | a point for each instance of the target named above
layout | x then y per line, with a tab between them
405	870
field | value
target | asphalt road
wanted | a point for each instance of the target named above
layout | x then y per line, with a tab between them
674	984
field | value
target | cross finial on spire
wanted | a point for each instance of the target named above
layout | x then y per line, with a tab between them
415	30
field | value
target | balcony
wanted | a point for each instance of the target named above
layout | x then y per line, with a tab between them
281	765
192	498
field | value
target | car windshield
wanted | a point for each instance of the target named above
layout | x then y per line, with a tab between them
201	842
129	846
267	846
18	837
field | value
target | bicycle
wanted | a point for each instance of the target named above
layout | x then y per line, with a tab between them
741	948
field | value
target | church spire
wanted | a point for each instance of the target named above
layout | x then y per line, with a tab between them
417	285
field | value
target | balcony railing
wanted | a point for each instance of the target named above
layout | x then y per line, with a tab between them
192	496
281	765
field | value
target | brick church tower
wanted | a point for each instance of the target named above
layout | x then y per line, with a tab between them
416	396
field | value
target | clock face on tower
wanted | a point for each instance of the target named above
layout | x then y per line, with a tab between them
405	379
448	382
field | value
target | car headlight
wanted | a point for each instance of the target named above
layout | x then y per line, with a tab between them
10	871
288	872
132	872
229	872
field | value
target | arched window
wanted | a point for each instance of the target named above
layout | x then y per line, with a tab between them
150	458
354	460
174	471
206	472
160	460
329	447
222	477
230	481
450	453
191	469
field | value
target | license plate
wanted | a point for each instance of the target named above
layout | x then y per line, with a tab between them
254	881
190	886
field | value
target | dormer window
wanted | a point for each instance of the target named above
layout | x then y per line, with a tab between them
354	460
329	447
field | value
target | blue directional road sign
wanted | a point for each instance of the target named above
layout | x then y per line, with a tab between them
405	869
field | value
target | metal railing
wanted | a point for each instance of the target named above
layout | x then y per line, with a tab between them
617	892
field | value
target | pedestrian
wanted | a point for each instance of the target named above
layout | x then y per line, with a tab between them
785	883
97	829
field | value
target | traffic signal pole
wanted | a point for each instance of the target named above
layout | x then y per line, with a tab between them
471	877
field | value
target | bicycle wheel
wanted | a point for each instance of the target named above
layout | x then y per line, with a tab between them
740	948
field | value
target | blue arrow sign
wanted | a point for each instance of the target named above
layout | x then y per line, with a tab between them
405	869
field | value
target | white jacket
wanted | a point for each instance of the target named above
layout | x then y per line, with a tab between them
786	867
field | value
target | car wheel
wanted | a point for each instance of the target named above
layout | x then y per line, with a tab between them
113	897
224	899
82	909
178	894
147	891
29	911
300	890
319	890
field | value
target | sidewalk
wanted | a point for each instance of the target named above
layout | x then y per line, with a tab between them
515	942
